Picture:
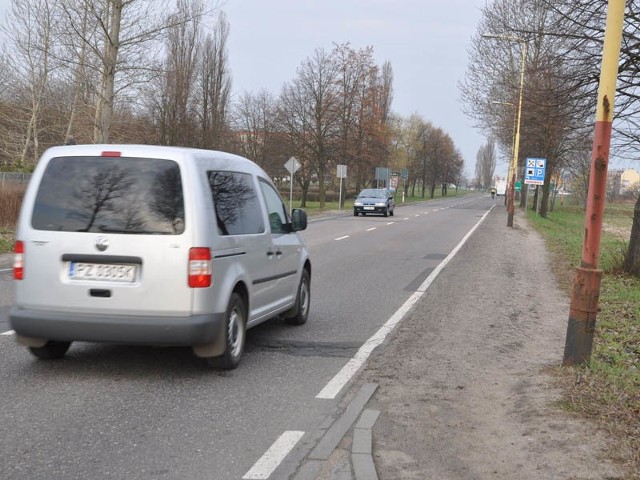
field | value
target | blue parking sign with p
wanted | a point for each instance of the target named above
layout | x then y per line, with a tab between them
535	171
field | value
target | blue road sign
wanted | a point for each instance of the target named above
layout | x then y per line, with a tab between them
535	171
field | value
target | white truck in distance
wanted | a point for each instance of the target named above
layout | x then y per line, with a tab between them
501	187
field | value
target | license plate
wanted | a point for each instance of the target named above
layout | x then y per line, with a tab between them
102	272
368	208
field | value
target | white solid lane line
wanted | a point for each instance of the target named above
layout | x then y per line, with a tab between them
331	389
265	466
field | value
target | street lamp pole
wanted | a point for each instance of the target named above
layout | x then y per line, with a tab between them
516	144
513	137
516	147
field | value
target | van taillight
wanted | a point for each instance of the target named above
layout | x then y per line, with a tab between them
199	267
18	260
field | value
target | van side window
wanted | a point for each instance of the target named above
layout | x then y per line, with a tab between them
276	209
235	203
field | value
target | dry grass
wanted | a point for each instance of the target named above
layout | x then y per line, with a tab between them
608	390
10	201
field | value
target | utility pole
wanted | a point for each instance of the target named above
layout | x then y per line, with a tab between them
510	194
587	280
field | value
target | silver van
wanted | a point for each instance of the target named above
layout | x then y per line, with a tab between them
151	245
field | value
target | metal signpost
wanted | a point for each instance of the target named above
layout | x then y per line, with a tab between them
341	173
405	177
292	165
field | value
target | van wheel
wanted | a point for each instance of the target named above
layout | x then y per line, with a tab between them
385	212
51	350
234	335
299	313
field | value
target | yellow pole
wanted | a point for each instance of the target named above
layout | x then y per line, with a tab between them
516	143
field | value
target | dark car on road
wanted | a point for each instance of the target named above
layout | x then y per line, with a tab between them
374	200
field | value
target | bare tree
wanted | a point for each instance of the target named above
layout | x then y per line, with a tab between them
75	48
215	85
32	39
309	112
255	125
175	118
582	27
553	107
486	164
125	46
632	257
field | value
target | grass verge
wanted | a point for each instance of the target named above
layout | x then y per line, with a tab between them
7	238
608	390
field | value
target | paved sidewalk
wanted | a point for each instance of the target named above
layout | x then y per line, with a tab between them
461	389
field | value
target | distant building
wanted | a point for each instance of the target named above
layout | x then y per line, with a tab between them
629	181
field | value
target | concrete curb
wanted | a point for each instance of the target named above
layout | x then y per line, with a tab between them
361	448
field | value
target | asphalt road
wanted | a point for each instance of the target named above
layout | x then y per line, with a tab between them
112	412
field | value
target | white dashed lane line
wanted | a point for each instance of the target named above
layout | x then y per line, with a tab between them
264	467
9	332
370	229
341	238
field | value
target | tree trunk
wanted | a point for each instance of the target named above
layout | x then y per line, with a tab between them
104	107
632	259
544	203
321	187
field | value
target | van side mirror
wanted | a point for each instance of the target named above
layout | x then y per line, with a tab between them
298	219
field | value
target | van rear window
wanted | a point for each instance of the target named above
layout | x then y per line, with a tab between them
110	195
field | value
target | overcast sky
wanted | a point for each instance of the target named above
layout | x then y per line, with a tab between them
425	41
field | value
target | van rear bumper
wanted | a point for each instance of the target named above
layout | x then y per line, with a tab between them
129	329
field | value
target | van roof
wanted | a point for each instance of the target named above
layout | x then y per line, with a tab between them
134	150
180	154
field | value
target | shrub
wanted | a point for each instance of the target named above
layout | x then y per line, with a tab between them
10	200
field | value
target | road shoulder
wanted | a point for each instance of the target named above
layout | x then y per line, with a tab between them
464	384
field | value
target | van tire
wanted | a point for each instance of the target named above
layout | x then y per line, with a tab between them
299	313
235	334
51	350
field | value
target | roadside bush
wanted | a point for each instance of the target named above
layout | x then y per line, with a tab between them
10	200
